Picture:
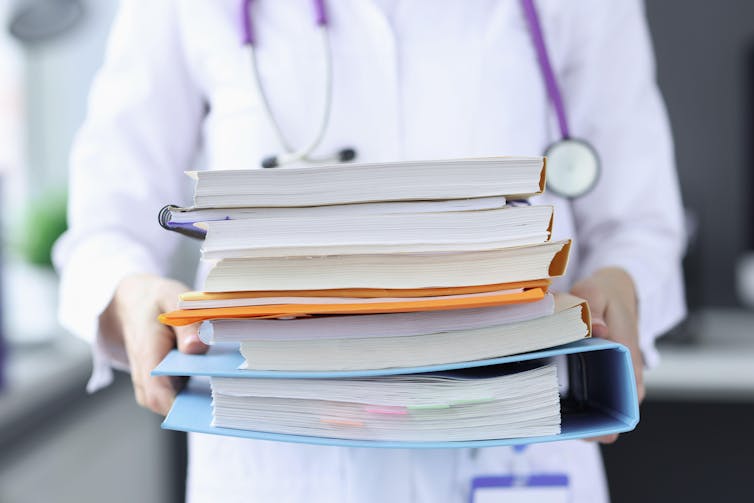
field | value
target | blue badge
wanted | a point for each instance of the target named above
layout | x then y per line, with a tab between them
535	488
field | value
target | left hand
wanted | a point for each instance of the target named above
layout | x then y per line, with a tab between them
612	300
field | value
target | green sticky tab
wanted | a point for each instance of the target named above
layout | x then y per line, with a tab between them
471	401
429	406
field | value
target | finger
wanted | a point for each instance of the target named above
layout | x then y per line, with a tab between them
638	364
640	390
599	328
138	392
187	336
169	295
188	339
589	290
622	329
153	392
604	439
160	394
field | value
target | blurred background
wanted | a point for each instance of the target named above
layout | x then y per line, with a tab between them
695	440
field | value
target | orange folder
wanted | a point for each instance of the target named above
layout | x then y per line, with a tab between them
368	293
188	316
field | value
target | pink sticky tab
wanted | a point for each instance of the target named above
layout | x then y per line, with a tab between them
396	411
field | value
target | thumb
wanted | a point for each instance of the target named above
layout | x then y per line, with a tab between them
599	328
188	340
589	290
187	337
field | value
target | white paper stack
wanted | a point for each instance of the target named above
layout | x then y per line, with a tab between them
379	350
369	182
406	232
475	404
389	271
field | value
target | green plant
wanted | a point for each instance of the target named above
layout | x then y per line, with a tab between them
43	223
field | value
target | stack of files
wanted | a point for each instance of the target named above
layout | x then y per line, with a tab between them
387	304
594	394
413	207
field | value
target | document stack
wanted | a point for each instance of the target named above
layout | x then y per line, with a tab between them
389	305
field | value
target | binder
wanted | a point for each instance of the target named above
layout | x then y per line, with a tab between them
601	400
187	229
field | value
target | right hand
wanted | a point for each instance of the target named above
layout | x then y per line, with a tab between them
131	321
611	294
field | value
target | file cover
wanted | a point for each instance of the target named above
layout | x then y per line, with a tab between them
601	397
408	305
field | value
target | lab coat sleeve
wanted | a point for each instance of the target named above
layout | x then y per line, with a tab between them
633	218
140	133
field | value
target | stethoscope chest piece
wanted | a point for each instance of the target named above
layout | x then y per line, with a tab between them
572	168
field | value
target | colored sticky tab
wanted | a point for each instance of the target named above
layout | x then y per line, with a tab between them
395	411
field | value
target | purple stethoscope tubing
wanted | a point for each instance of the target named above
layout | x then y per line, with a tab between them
551	83
568	155
247	27
532	20
290	153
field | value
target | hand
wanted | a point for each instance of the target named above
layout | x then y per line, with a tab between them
131	321
612	301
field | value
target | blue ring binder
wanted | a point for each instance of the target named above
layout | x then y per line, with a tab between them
609	403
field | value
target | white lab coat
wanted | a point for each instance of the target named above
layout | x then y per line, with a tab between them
412	80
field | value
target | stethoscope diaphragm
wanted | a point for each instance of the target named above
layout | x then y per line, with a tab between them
573	168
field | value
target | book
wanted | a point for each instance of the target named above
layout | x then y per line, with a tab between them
173	217
513	177
390	271
370	325
408	232
510	401
181	317
600	397
380	349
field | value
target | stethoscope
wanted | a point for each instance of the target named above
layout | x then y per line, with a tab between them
573	166
304	153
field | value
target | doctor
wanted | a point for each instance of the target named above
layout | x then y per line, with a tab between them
416	79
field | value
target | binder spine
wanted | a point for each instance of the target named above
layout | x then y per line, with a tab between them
164	217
